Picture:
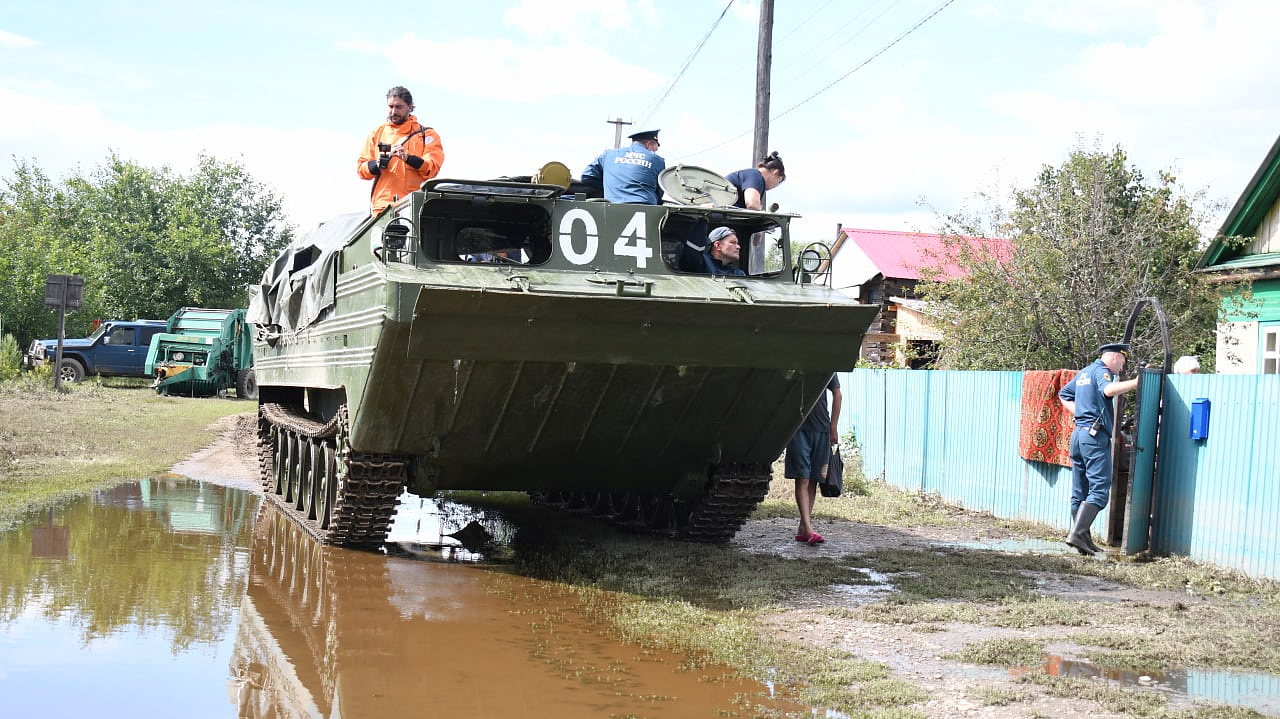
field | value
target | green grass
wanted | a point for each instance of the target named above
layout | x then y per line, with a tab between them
55	445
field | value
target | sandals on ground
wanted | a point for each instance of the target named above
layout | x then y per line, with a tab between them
812	539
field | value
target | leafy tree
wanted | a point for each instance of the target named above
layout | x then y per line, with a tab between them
1087	241
31	247
146	240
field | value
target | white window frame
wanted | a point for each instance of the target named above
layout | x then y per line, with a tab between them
1269	348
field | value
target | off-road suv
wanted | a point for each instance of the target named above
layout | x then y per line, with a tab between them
116	349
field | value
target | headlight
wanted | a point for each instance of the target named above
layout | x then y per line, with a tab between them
810	260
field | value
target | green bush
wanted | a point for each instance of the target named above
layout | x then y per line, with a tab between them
10	358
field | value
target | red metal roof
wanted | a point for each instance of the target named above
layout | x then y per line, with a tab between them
902	254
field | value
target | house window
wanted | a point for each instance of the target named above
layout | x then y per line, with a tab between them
1270	354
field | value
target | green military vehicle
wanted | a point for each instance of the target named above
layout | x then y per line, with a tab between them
516	335
202	353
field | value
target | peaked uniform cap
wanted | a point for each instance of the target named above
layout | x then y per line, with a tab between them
644	135
719	233
1114	347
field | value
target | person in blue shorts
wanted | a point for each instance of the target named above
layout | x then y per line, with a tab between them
629	174
1088	397
808	455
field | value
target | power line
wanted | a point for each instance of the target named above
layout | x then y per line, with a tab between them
833	83
844	41
653	106
805	21
878	53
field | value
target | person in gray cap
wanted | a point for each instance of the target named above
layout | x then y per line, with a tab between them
629	174
1088	398
714	258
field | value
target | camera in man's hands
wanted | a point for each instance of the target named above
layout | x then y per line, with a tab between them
384	155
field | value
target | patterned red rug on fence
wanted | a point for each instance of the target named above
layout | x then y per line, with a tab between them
1045	429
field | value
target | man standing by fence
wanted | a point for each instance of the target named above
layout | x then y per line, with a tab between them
1088	398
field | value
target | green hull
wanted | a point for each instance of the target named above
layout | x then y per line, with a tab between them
553	375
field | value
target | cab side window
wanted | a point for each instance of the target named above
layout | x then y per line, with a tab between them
121	336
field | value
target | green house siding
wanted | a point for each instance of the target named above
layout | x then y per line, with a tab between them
1266	304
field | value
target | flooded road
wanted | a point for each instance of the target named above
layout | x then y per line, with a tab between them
171	597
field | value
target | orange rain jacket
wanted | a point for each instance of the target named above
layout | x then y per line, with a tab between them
400	178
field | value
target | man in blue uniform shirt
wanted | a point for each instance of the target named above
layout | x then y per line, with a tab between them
629	174
1088	398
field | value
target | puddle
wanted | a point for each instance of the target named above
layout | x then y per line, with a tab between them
1260	692
1016	545
878	584
175	593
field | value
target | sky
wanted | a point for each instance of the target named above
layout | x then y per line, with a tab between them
887	113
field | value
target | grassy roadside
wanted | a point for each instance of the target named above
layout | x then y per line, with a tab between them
60	444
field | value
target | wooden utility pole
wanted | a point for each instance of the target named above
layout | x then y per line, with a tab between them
617	130
764	58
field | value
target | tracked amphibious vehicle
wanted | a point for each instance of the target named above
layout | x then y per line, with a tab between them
516	335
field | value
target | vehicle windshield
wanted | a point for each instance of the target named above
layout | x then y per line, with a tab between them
102	329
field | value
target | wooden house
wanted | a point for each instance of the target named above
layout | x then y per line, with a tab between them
1248	247
883	267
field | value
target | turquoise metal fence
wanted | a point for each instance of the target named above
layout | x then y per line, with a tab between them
1218	499
956	433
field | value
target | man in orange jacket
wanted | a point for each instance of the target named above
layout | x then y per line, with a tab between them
400	154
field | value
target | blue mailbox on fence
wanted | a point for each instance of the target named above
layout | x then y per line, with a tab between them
1200	418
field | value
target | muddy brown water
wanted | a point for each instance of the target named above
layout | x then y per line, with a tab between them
176	597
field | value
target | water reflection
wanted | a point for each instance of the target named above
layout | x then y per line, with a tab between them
173	597
118	587
332	632
434	530
1257	691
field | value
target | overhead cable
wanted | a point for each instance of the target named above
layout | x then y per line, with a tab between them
833	83
653	106
878	53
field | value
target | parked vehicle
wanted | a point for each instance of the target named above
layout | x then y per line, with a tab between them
508	335
202	353
117	348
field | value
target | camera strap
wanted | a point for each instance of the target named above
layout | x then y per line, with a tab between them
422	129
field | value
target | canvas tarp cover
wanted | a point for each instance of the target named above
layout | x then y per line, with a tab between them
297	287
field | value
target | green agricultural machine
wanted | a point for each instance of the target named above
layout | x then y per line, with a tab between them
516	335
203	353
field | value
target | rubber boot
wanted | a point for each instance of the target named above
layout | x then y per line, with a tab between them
1079	537
1087	536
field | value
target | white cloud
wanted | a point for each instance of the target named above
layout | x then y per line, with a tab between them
1090	17
10	41
1195	58
501	69
579	18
